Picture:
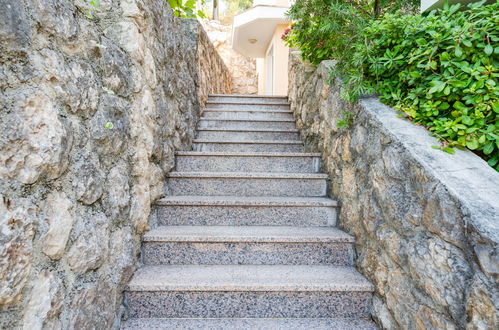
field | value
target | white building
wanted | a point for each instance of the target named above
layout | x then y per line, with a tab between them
257	33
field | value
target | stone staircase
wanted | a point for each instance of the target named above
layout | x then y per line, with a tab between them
246	238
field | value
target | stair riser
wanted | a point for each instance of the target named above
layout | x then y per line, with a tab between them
246	253
255	100
247	164
245	147
247	187
182	304
247	115
245	136
246	216
229	106
246	125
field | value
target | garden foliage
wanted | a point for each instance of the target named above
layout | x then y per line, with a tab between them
441	69
186	8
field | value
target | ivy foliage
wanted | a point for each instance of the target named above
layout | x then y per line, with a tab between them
440	69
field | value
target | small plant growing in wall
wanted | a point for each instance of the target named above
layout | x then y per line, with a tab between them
87	7
186	8
346	119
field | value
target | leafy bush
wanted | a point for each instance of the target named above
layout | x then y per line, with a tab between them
440	69
326	29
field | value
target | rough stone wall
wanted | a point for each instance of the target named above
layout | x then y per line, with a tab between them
426	222
242	68
75	194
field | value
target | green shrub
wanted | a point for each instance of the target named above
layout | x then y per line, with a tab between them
440	69
325	29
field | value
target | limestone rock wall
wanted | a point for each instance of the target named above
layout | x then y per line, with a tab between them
426	222
242	68
93	104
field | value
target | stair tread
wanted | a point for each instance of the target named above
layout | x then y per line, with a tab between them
249	110
246	102
274	234
282	278
290	120
248	175
248	201
274	130
250	96
247	154
249	141
249	324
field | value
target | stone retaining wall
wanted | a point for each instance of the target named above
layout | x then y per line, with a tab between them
93	104
426	222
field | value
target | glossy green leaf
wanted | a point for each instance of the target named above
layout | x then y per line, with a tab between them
488	49
472	144
489	147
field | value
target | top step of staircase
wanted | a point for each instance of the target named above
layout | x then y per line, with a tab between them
248	99
242	96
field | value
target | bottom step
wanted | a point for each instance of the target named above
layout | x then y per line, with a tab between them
249	324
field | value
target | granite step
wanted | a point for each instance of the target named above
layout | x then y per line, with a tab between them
242	105
247	245
249	324
255	99
247	115
267	124
247	291
210	145
247	184
248	134
247	162
246	211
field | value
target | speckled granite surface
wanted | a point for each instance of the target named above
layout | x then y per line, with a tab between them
251	115
248	278
248	201
244	253
243	106
217	134
248	162
248	175
255	99
243	211
253	234
246	184
249	324
244	146
249	304
247	124
246	215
